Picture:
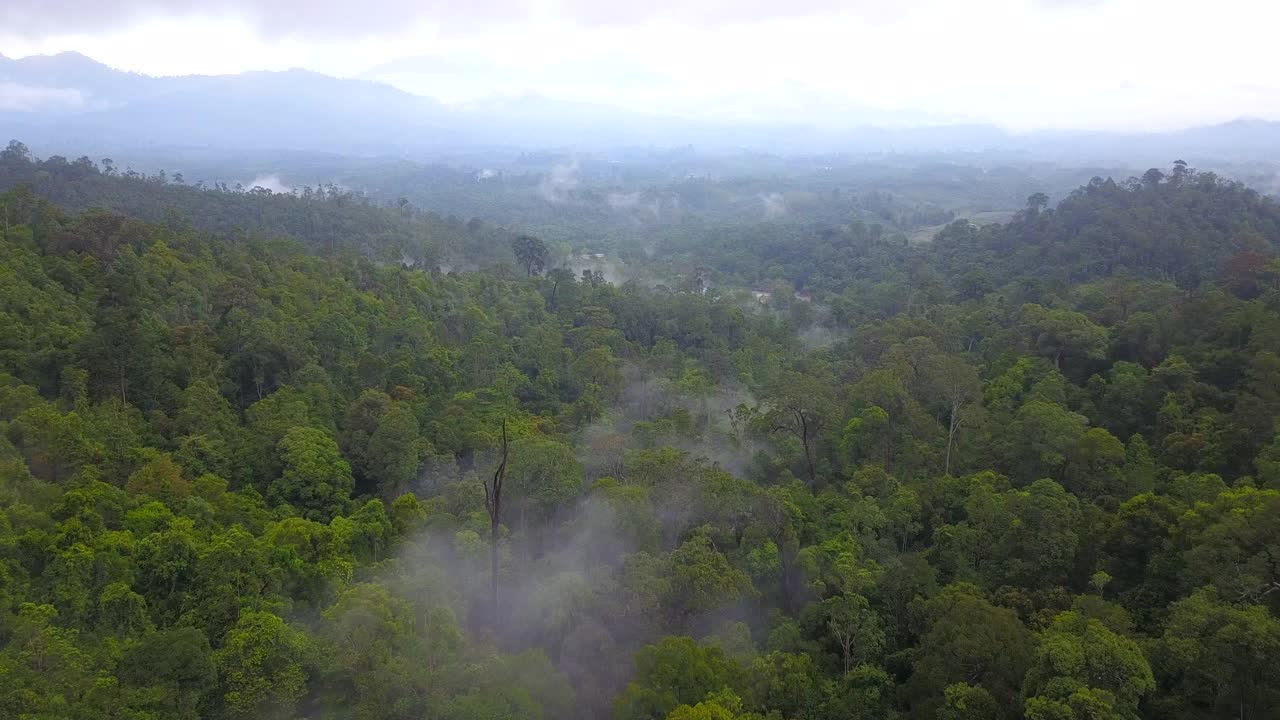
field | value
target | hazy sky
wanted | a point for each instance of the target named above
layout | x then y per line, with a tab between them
1145	64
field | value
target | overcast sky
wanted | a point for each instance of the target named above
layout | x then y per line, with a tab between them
1117	64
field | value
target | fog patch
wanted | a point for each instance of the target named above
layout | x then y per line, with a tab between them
775	206
559	183
614	271
551	581
457	265
822	331
270	182
641	205
436	473
623	201
655	411
566	585
16	97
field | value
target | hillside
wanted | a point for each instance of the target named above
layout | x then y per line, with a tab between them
1026	470
322	218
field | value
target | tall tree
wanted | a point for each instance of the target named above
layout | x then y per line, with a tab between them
957	384
493	504
316	479
531	253
799	405
1058	333
855	627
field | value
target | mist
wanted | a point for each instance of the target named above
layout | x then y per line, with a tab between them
649	361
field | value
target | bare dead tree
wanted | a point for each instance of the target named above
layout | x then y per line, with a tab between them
493	504
805	425
958	386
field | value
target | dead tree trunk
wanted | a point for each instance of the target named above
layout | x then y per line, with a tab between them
952	426
493	504
808	453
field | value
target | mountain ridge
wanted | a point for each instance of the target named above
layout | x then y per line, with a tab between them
71	98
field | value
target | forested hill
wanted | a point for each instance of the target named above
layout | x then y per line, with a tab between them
1186	226
326	218
979	478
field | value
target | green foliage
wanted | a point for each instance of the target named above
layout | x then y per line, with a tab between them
1219	659
702	579
968	640
968	702
262	667
316	479
1025	470
676	671
1084	669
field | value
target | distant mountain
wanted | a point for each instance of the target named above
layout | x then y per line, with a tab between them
71	101
1238	136
99	85
71	97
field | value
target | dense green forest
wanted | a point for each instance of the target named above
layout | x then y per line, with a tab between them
326	218
255	463
621	202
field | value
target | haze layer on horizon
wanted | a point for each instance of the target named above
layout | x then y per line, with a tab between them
1024	64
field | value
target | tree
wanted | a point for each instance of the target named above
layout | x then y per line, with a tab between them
902	514
160	478
316	479
1219	659
44	667
361	422
1231	542
262	668
531	253
560	277
1059	333
866	692
673	672
1041	437
543	476
1039	547
1093	466
70	576
958	386
1081	663
702	579
798	405
967	702
168	569
394	450
969	640
786	684
376	654
855	627
1145	575
180	661
493	505
122	611
723	705
866	437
